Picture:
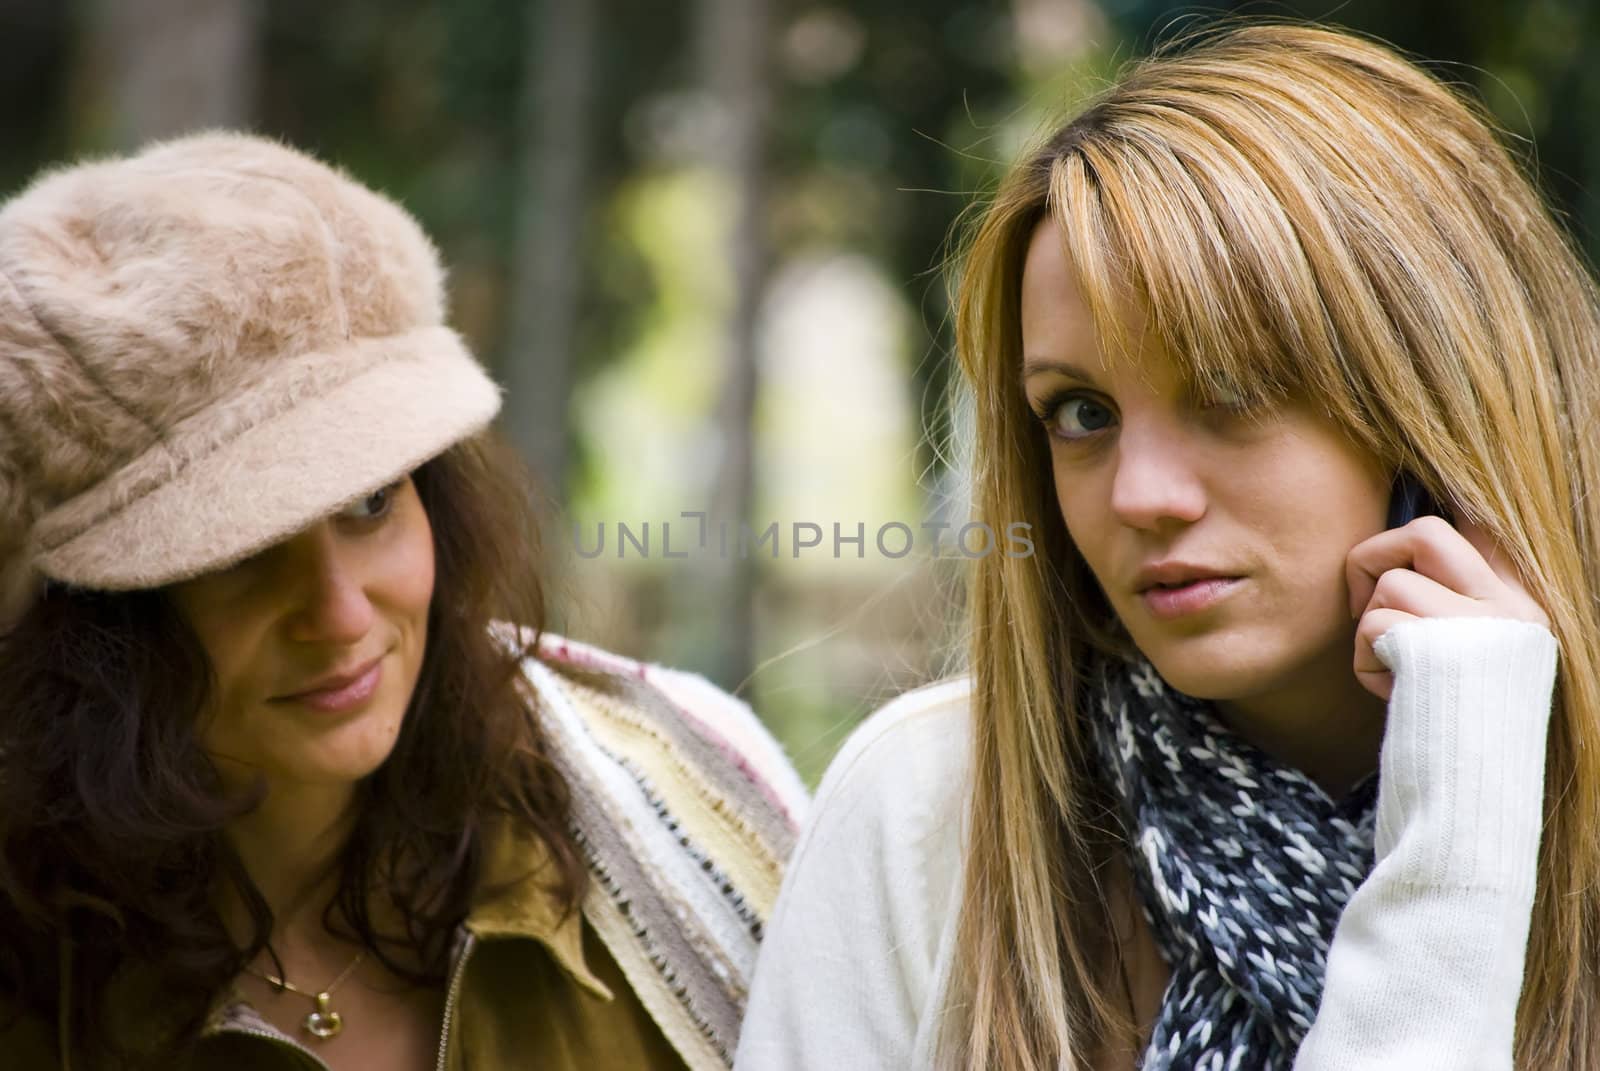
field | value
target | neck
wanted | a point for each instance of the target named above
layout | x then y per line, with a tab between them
1323	723
290	846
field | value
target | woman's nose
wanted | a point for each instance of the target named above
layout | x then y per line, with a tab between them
330	601
1155	481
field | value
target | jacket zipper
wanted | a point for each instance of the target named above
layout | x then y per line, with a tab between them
280	1041
444	1030
450	997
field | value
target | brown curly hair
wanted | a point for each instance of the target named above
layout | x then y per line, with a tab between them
111	814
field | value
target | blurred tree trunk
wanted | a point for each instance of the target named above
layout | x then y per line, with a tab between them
735	57
160	68
554	150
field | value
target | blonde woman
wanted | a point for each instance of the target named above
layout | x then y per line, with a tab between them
1250	768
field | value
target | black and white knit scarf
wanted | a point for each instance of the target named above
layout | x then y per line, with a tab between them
1242	865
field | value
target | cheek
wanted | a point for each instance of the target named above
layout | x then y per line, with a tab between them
413	569
228	624
1318	520
1086	514
224	720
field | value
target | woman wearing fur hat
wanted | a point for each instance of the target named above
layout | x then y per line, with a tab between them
1251	769
289	776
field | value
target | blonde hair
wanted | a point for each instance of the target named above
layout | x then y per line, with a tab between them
1304	213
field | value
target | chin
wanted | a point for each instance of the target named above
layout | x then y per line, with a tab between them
337	770
349	753
1212	665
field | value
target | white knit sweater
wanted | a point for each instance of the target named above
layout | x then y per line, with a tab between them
1426	964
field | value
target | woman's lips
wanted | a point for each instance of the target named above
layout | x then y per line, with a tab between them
342	700
1191	598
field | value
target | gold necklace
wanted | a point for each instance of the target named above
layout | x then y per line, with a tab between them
323	1021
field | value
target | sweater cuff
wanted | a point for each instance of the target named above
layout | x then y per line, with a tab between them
1461	774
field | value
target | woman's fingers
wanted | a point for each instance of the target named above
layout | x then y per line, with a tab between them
1428	568
1399	595
1528	609
1374	676
1428	545
1415	594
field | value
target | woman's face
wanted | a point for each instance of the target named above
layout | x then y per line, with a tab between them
1145	473
351	589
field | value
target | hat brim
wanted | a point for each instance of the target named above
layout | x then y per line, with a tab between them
281	476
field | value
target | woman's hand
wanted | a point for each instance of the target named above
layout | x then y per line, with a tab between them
1428	568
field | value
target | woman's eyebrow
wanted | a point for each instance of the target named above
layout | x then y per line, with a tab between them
1037	366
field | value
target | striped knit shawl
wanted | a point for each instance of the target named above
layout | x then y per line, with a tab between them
686	810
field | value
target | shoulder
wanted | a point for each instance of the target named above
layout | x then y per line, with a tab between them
863	935
684	774
885	833
895	794
920	742
687	810
669	712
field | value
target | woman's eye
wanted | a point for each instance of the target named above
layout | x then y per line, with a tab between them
1224	397
1076	417
375	506
1228	397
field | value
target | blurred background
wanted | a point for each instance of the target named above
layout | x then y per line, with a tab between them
701	243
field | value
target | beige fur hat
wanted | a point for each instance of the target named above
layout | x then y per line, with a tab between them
204	349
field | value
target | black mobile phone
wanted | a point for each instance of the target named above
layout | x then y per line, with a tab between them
1410	500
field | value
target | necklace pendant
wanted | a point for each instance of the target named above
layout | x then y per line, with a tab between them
324	1022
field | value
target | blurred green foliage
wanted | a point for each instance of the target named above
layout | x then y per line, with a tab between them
888	120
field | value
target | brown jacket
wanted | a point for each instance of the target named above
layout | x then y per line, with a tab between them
529	987
688	810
